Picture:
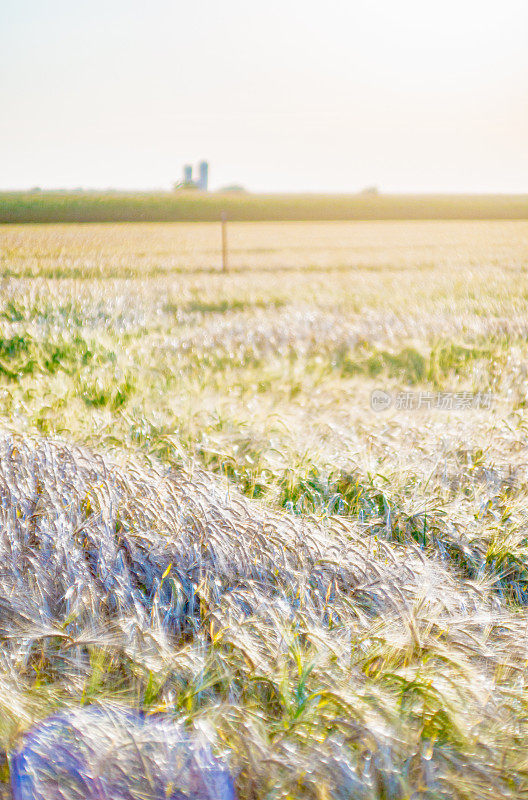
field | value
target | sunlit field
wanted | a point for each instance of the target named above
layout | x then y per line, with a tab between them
203	515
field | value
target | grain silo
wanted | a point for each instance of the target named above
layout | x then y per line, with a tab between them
187	175
203	177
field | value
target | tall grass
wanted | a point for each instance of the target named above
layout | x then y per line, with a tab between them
327	661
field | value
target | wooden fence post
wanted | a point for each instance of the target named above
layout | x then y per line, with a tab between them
223	217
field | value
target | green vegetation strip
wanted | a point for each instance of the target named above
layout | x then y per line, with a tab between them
46	206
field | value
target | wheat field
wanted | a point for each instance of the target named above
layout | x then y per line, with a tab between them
203	515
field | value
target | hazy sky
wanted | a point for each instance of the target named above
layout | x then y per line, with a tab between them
281	95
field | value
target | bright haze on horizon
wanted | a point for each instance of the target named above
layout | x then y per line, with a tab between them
286	95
